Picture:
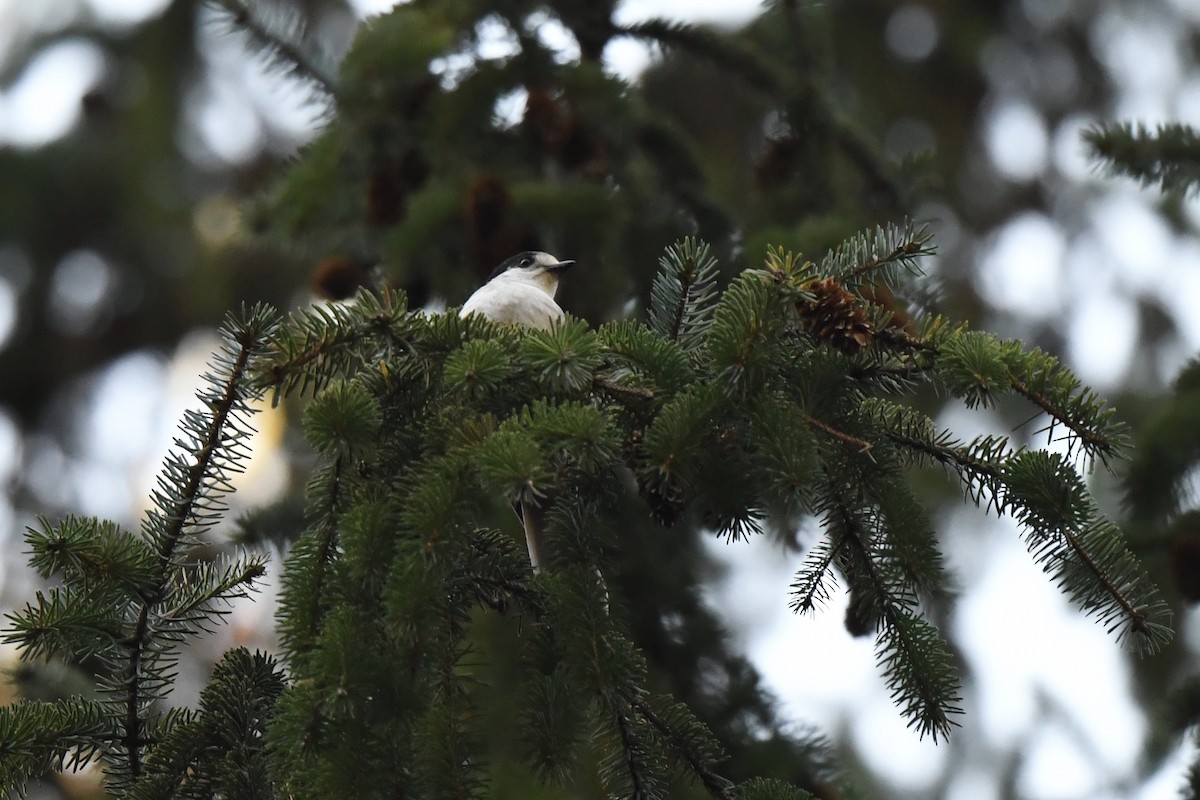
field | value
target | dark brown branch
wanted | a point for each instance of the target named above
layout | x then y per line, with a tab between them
635	778
1138	617
862	445
619	392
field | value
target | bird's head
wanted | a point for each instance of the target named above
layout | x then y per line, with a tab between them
532	266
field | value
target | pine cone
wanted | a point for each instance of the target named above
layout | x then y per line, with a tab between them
1185	555
390	186
338	277
833	316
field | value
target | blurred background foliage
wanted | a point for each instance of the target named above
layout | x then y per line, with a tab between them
159	167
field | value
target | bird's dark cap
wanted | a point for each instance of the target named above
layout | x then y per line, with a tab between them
524	260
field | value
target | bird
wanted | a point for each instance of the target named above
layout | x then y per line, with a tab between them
520	291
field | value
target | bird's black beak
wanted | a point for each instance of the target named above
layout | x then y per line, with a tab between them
561	266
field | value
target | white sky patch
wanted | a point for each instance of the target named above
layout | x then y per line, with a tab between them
1140	49
127	13
241	99
1069	151
80	290
1015	137
510	107
1018	631
1056	768
1167	781
20	19
43	104
1180	290
753	598
495	39
912	32
1088	263
126	395
101	491
627	58
45	472
554	36
972	784
894	751
1135	235
1021	269
1187	102
1101	332
821	674
717	12
227	126
371	8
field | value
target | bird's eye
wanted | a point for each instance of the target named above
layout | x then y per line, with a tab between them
527	262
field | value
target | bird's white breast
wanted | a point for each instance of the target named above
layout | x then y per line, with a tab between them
514	301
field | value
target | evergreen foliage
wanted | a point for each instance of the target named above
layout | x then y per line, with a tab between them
278	35
123	605
1163	518
1169	156
770	404
782	396
409	620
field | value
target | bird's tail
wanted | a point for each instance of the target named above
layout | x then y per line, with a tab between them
533	535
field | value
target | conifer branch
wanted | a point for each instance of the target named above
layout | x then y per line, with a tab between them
320	342
683	297
900	338
131	736
633	764
969	466
39	736
283	47
203	587
306	569
68	623
1093	441
919	668
1168	156
326	543
716	785
811	588
1084	552
861	445
703	43
214	448
192	494
623	393
885	253
1138	617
